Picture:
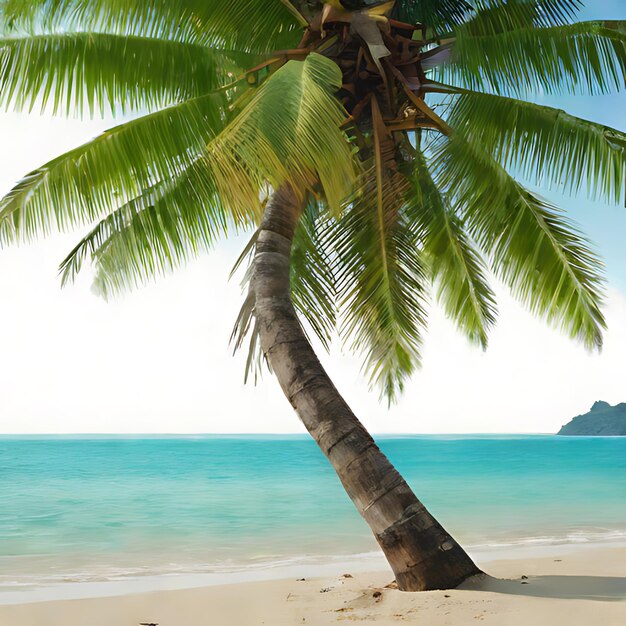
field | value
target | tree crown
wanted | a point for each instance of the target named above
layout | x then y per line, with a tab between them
403	125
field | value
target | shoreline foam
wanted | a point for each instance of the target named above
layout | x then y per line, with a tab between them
582	587
310	566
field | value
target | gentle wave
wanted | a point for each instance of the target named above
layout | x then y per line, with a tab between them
582	536
485	551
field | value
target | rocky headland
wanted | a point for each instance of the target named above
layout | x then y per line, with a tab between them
603	420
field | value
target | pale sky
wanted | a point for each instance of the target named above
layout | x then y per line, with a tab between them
157	360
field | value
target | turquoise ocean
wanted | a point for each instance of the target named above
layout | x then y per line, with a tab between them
87	508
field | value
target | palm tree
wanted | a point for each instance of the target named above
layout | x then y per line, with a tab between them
367	144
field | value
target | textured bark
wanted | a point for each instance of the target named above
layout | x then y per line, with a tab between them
421	553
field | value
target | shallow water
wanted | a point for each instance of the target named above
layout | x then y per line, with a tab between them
101	508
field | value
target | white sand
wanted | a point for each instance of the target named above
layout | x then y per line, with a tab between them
586	587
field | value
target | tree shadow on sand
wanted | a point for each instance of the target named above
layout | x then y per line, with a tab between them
600	588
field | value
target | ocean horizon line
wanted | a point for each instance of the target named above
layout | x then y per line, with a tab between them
264	434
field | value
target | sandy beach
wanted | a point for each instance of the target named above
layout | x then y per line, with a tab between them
586	586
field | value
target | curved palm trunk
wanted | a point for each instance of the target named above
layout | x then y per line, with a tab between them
421	553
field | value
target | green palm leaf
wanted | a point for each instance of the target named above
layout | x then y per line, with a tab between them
497	16
456	267
381	281
154	233
584	57
482	17
155	20
289	132
536	251
90	181
439	15
89	71
258	26
313	288
547	145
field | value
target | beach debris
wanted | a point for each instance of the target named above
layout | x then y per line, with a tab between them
367	599
557	560
325	589
300	580
446	595
347	576
148	624
392	585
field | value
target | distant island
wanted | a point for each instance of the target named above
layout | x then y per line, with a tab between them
603	420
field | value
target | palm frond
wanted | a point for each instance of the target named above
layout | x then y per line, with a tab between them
289	132
381	280
577	58
547	145
441	16
535	250
247	324
91	72
171	20
155	232
258	26
456	267
497	16
85	184
482	17
313	288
